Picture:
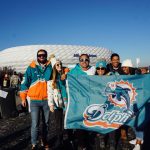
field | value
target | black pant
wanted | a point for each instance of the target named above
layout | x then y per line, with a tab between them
58	116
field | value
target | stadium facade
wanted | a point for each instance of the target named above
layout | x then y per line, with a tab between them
21	56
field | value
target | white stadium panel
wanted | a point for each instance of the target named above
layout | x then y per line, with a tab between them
21	56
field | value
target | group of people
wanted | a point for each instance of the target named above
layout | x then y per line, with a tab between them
44	83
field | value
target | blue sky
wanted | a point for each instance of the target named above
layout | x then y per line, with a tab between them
122	26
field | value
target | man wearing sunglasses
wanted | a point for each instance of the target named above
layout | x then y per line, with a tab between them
34	85
83	67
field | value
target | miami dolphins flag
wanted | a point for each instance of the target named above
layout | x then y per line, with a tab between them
103	104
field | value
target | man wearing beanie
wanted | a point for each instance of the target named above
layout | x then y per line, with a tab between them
34	85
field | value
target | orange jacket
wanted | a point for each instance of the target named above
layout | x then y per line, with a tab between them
34	83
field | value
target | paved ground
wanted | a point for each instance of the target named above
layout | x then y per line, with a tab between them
15	134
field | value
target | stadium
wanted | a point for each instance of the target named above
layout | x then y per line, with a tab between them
20	57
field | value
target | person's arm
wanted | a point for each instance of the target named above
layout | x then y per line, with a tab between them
64	93
25	84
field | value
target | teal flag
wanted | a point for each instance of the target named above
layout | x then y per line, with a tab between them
104	103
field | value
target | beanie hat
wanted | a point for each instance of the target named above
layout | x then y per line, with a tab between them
52	59
127	63
101	64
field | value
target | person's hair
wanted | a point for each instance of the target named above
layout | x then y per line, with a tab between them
85	55
42	50
113	55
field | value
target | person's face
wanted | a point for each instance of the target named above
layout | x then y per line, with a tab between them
41	57
126	70
58	66
6	76
143	71
115	61
84	61
100	71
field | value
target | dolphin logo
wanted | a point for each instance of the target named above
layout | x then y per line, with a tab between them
118	93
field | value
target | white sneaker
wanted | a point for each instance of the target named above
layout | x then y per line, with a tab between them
133	142
137	147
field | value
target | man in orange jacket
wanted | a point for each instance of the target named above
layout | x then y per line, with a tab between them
34	85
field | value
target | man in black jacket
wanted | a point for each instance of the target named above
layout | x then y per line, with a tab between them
115	66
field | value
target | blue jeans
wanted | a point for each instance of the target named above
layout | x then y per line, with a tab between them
36	108
139	134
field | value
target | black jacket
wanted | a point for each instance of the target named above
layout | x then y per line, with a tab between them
118	70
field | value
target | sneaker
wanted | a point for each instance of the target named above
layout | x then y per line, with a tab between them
134	141
44	144
34	147
46	147
137	147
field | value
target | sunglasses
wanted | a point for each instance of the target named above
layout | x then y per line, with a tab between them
84	60
41	55
58	65
98	68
